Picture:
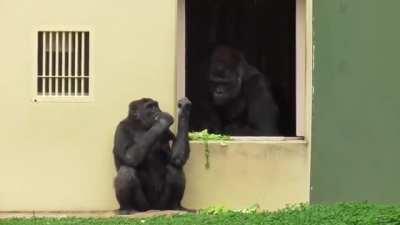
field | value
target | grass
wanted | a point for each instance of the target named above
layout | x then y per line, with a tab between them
338	214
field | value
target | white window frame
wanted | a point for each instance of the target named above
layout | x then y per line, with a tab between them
304	58
57	98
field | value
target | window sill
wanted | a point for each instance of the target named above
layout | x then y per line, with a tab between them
62	99
257	140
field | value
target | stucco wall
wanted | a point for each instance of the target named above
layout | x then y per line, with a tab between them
57	156
241	174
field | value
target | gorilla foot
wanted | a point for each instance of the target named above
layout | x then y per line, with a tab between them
126	211
181	208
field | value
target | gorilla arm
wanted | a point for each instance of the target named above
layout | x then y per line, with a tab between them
180	147
262	110
132	150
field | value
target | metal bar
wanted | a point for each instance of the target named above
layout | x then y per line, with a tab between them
87	80
56	72
76	64
82	62
50	61
62	62
43	61
70	63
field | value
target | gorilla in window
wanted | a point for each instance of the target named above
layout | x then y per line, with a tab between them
238	98
149	158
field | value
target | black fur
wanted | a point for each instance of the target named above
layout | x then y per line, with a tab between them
239	100
149	170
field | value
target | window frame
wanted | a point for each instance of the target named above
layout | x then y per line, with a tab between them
304	66
36	98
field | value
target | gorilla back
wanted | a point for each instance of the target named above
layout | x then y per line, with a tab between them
149	170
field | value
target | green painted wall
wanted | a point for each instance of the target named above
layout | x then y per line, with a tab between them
356	111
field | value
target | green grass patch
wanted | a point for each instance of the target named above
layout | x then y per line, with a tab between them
338	214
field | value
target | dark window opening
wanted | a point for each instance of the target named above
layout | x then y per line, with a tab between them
264	33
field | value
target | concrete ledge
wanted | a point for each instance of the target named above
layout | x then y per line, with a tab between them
243	173
86	214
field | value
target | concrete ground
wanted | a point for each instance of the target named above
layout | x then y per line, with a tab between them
89	214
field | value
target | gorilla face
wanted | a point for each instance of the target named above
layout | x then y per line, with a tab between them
145	110
224	83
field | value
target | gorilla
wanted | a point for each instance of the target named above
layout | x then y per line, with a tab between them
239	101
149	158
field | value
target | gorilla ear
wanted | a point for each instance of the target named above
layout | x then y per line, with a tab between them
136	115
133	114
242	66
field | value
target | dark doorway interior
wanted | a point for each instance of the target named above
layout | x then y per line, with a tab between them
263	30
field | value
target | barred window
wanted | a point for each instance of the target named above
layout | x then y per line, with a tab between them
63	64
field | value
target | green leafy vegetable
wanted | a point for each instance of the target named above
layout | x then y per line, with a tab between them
205	137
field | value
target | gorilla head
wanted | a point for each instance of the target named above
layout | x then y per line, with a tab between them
144	111
238	99
225	75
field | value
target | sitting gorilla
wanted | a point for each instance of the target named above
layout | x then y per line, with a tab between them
239	100
150	174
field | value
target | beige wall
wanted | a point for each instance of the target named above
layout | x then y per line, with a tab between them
57	156
241	174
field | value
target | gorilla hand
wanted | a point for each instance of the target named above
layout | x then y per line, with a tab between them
184	103
165	119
